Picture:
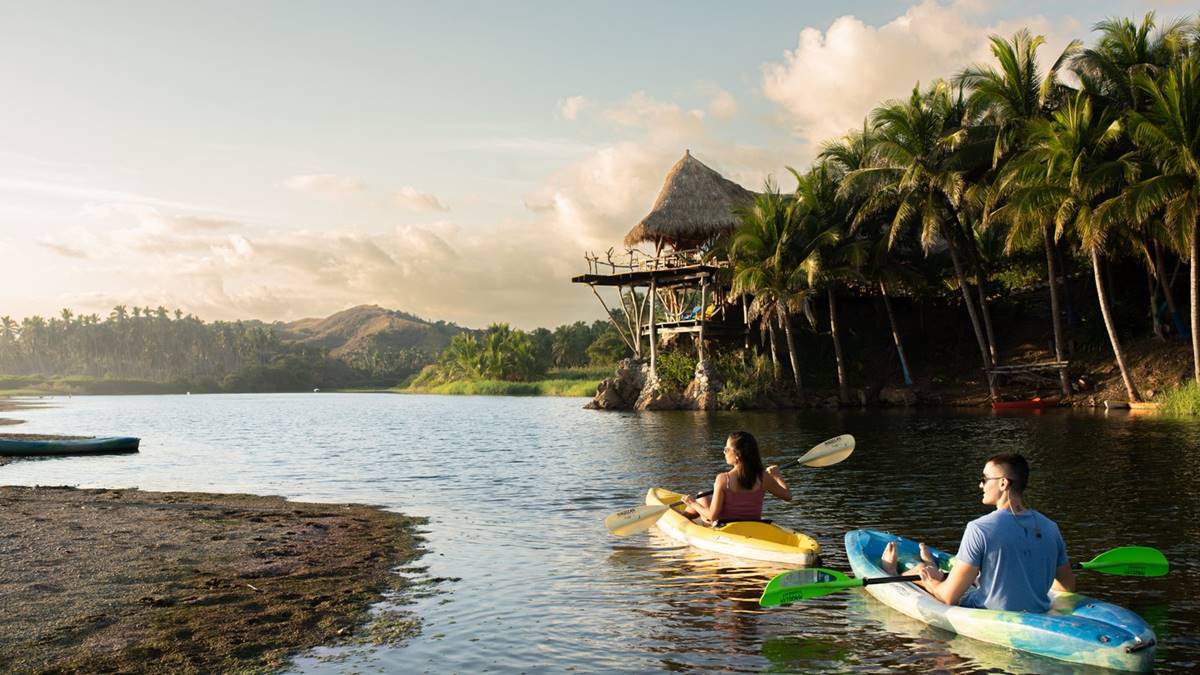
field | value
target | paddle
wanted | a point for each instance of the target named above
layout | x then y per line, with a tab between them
639	518
1129	561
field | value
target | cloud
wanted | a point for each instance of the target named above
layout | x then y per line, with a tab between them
570	107
833	79
62	249
55	188
722	105
594	201
324	183
658	118
410	198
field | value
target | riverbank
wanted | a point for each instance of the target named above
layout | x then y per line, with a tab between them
132	581
577	382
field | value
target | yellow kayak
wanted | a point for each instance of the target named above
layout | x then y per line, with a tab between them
745	539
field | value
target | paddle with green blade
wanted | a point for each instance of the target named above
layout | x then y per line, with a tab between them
1126	561
638	518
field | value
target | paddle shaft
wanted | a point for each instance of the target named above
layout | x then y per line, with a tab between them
871	581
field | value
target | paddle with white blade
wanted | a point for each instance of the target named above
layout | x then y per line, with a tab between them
639	518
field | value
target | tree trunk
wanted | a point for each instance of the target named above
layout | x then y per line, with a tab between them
962	285
887	304
1102	296
1165	284
1055	312
987	318
843	390
776	368
1152	286
1194	275
792	354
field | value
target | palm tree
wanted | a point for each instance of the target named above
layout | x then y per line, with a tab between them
923	155
822	248
1005	102
883	268
765	266
1125	50
1168	132
1067	172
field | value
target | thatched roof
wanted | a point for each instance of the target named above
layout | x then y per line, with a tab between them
695	204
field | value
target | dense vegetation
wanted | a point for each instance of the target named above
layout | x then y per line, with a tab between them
157	351
958	189
505	355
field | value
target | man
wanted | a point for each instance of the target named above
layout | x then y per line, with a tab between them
1016	554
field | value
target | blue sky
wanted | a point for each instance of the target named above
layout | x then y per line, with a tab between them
280	160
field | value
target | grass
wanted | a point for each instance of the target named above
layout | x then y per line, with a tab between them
1184	400
581	382
36	385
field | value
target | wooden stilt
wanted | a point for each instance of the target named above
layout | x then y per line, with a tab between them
653	331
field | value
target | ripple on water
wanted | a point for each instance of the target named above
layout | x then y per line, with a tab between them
516	491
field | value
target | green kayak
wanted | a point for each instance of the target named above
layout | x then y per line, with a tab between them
81	446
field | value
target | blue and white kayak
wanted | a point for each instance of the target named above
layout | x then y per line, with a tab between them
1077	629
23	447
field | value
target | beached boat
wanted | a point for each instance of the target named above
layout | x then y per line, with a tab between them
744	539
1144	406
24	447
1035	403
1077	628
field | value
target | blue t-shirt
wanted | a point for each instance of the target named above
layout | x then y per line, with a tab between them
1017	555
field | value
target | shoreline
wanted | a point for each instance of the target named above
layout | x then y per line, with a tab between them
133	581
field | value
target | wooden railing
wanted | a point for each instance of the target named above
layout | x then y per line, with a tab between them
634	260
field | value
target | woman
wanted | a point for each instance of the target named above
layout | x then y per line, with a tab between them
738	493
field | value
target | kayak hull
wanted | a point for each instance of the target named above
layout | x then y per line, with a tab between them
751	540
32	448
1077	629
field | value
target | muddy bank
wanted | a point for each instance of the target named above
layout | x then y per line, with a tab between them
8	405
132	581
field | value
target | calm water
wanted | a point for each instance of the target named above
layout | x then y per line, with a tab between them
516	490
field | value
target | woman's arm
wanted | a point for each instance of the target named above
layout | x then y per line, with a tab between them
712	509
773	481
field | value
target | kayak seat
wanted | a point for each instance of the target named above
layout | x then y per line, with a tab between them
760	530
723	523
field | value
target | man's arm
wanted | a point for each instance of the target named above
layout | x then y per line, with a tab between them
949	590
1064	579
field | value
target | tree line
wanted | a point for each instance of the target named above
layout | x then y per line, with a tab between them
157	345
1095	157
507	354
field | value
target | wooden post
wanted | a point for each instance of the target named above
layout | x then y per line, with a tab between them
703	315
653	331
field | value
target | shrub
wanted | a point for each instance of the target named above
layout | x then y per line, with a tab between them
675	370
1184	400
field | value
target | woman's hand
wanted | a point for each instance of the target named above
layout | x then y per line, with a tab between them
773	470
687	499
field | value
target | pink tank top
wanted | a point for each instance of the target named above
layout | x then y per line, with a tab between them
741	505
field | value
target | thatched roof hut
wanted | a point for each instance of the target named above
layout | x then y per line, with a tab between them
695	204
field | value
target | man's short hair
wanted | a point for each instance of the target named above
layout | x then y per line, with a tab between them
1016	469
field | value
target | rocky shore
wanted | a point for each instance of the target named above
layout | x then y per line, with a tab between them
1155	366
130	581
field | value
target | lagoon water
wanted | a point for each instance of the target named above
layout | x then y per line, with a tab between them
516	489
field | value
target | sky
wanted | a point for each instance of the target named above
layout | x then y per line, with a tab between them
283	160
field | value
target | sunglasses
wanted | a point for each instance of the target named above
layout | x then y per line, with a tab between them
984	478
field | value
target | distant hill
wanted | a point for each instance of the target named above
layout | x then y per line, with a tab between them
369	328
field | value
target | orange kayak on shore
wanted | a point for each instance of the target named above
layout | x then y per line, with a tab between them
1035	403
